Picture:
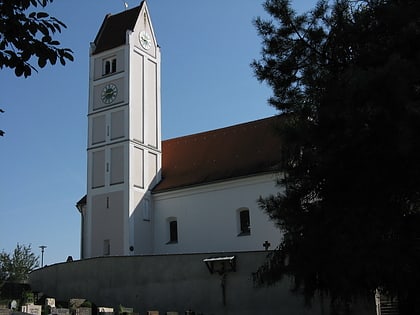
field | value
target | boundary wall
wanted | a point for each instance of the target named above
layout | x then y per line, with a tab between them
173	283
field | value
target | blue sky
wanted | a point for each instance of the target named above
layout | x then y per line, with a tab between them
207	83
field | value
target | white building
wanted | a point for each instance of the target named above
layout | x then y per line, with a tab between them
191	194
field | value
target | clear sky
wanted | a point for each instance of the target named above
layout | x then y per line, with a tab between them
207	83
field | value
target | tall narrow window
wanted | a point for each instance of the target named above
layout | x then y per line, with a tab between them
146	210
113	65
107	247
107	67
244	222
173	231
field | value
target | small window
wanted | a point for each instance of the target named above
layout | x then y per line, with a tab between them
173	231
244	222
146	210
107	248
109	65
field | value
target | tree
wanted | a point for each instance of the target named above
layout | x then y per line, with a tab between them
346	78
16	267
26	35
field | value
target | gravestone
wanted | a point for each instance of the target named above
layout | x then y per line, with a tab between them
76	303
125	310
50	302
83	311
60	311
32	309
103	310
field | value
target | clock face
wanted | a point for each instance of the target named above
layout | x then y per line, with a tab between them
109	93
145	40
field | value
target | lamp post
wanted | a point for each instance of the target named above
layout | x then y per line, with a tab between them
43	247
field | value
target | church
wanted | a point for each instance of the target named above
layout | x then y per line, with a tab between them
193	194
172	226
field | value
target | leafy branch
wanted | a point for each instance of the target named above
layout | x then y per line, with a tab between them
24	36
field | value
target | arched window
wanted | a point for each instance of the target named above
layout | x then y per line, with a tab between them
109	65
244	222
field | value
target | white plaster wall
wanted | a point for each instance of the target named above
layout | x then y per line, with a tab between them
208	220
144	133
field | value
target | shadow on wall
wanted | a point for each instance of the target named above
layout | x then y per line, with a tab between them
176	283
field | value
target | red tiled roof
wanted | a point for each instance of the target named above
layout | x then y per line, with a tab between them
235	151
114	27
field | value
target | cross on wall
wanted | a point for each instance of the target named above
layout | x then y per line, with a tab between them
266	245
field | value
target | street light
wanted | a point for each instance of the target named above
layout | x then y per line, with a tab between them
43	247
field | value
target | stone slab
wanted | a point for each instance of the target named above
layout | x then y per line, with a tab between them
83	311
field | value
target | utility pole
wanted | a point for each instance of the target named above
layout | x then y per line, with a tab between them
43	247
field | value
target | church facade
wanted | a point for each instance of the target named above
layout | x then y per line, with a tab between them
192	194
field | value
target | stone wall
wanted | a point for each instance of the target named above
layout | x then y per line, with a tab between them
172	283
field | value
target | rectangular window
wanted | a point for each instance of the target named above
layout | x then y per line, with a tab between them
146	210
244	222
107	247
173	231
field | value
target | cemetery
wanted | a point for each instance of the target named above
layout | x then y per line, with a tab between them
49	306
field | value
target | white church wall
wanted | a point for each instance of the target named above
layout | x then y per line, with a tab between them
208	218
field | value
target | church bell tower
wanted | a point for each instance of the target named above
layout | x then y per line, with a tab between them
124	136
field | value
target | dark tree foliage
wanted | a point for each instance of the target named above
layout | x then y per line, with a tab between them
26	35
346	78
16	266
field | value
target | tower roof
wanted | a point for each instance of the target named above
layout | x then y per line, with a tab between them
114	27
240	150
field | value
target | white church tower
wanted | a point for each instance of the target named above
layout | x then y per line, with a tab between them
124	136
